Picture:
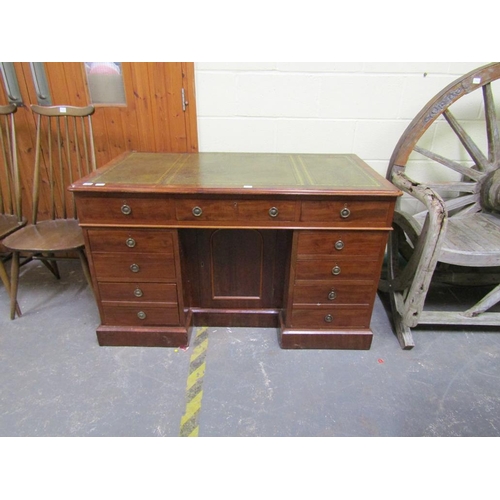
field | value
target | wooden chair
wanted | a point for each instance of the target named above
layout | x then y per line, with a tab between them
64	153
451	165
11	218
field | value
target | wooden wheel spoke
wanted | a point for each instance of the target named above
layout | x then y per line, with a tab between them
491	127
466	171
460	202
455	204
475	153
468	210
454	187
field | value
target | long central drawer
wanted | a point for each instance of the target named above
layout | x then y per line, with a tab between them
196	210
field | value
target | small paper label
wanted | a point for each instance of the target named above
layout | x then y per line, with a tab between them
476	80
62	110
248	187
88	183
100	183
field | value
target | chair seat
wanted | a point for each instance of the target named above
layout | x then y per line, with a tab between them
47	236
9	224
472	241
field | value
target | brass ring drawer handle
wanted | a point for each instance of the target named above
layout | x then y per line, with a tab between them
273	212
138	292
328	318
135	268
345	212
332	295
141	315
126	210
197	211
130	242
339	245
335	270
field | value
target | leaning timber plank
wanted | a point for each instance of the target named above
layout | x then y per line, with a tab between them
457	318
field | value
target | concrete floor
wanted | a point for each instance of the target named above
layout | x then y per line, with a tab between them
55	380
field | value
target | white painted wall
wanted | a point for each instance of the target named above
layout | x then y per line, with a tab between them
314	107
348	107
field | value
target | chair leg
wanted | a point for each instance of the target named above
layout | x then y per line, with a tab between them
4	277
14	276
5	280
85	267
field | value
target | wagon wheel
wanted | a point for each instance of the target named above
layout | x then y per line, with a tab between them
465	187
480	171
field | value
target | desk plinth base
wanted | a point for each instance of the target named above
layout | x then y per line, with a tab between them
142	337
179	336
290	338
320	339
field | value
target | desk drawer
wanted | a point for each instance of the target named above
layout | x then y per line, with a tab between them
140	315
348	213
138	240
341	243
331	318
133	267
237	210
138	292
325	292
337	269
124	210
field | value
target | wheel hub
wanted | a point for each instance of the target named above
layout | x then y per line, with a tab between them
490	192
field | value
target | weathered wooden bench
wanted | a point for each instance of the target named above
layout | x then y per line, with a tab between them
459	224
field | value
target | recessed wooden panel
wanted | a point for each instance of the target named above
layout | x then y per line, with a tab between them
237	265
234	269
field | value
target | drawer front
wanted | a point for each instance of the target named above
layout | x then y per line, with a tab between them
339	293
263	210
138	292
337	269
237	210
123	240
133	267
348	213
140	315
341	243
331	318
124	210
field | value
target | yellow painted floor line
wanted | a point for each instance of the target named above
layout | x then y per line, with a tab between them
194	384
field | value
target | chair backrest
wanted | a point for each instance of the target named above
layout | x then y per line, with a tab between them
10	185
64	153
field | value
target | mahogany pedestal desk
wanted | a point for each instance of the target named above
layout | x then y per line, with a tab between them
291	241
